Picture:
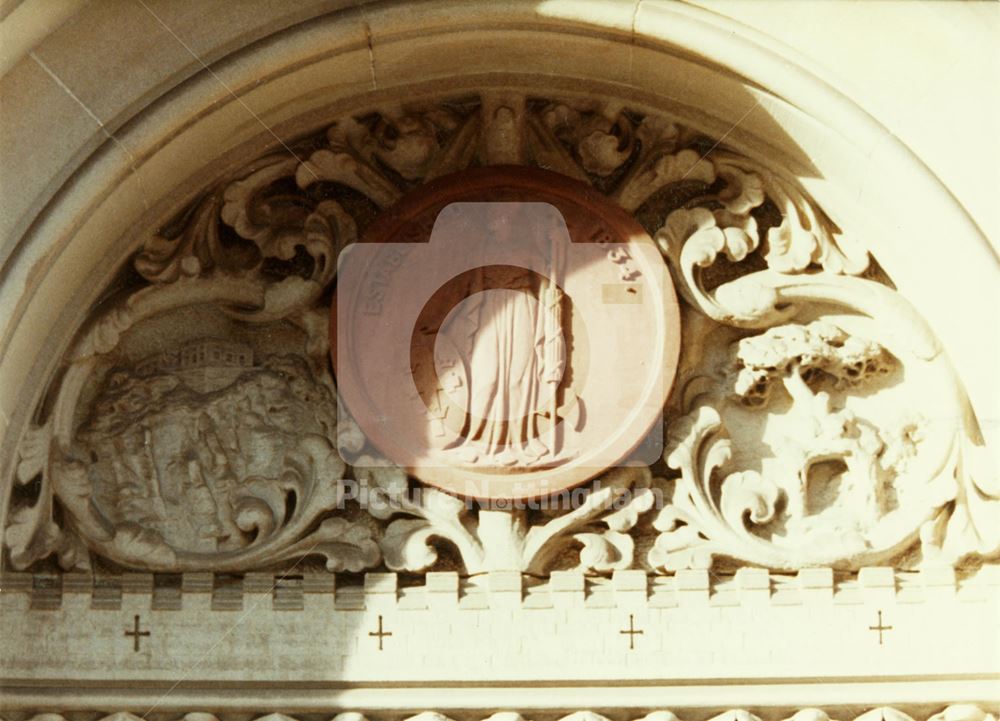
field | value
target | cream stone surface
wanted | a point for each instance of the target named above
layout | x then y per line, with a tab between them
929	77
191	525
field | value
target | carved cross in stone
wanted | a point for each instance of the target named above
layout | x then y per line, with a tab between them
136	634
632	632
380	633
880	628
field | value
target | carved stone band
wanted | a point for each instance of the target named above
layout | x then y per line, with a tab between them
506	333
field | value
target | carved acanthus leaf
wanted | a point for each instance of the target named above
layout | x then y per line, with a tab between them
413	144
166	257
805	236
32	535
605	551
601	139
406	545
33	453
969	527
346	546
501	540
654	172
327	165
280	223
614	548
680	544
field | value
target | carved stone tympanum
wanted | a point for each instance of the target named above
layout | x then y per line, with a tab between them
501	332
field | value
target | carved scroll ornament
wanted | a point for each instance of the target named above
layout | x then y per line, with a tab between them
815	421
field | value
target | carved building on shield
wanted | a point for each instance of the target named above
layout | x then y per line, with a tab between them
751	354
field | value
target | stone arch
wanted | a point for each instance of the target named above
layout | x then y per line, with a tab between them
189	128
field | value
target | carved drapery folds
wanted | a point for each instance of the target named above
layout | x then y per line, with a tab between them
815	420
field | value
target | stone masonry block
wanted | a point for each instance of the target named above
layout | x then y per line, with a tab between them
939	582
381	583
381	590
15	581
319	590
754	586
46	592
137	583
567	589
816	585
200	582
196	590
227	595
504	589
77	583
287	594
258	582
441	589
692	587
878	584
631	587
107	593
319	583
167	592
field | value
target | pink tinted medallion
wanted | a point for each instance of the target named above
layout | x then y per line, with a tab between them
506	333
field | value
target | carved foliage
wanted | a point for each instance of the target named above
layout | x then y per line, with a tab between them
596	529
781	451
883	483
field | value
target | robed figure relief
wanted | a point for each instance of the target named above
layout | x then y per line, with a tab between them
500	352
492	364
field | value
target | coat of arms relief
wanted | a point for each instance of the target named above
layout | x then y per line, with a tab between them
812	420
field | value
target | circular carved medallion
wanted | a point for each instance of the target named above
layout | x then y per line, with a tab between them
506	333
